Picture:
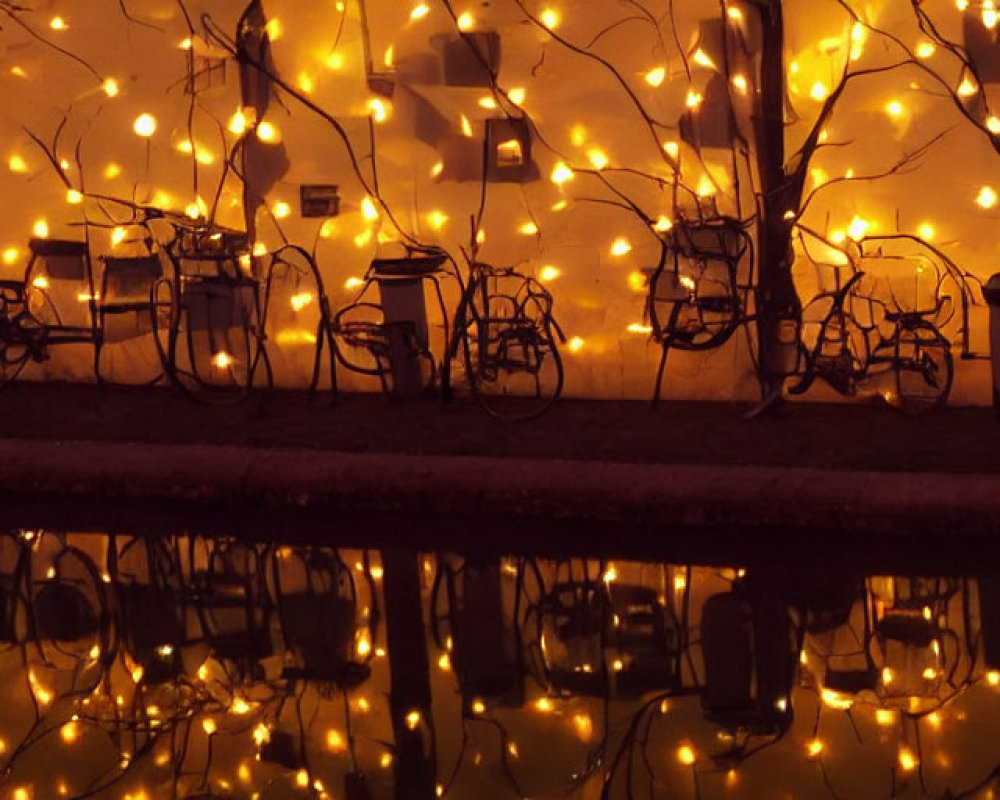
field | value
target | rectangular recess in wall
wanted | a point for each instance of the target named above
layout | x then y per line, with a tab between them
319	200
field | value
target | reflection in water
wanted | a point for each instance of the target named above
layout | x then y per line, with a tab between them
185	667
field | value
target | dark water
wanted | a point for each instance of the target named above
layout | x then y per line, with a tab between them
187	667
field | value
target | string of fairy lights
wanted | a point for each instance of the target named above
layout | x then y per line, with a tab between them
690	183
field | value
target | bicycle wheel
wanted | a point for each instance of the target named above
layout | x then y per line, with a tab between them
513	367
923	367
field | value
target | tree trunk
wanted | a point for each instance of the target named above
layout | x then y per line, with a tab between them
776	298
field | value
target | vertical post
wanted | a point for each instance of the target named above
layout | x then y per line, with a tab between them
409	689
776	297
991	293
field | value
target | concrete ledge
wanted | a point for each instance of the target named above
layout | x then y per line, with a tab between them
650	496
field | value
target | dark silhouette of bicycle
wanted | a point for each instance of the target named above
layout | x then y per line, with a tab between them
849	351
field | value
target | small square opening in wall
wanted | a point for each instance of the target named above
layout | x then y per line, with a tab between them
508	143
319	200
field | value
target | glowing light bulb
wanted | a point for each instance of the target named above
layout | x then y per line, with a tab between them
144	125
686	755
814	747
302	779
693	99
112	171
894	108
378	109
561	173
576	344
368	209
478	707
41	229
306	83
58	24
282	210
465	21
335	741
528	229
487	102
701	58
858	228
10	256
818	92
543	704
672	149
966	88
993	125
444	662
597	158
740	83
110	87
885	717
926	231
516	95
419	12
549	273
208	725
907	760
466	126
549	18
17	164
222	360
621	246
987	197
266	132
413	720
656	76
924	50
261	734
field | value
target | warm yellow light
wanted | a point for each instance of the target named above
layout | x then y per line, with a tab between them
282	210
894	108
385	761
656	76
437	219
888	676
543	704
858	228
924	50
621	246
993	677
437	169
987	197
528	229
584	726
929	674
112	171
208	725
69	732
597	158
926	231
701	58
18	72
222	360
465	21
240	707
516	95
478	707
575	344
967	88
706	187
266	132
549	273
302	779
144	125
185	44
836	700
261	734
578	135
549	18
419	12
10	256
275	29
413	720
993	125
818	92
672	149
306	83
368	209
110	87
301	300
466	126
740	82
814	747
387	59
259	249
335	61
41	229
693	99
364	646
934	718
638	327
17	164
662	224
444	662
686	755
561	173
378	109
487	102
335	740
907	760
353	283
617	665
58	24
885	717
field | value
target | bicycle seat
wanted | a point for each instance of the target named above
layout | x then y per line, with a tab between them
409	267
922	313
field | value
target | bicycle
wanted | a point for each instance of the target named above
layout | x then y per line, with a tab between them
848	353
505	327
700	290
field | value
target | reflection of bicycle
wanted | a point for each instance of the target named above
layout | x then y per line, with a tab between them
507	333
848	353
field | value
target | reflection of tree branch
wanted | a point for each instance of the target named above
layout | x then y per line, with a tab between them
10	12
